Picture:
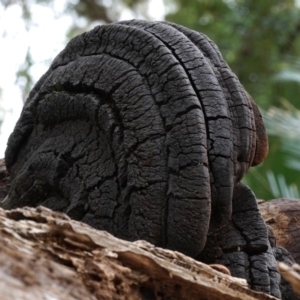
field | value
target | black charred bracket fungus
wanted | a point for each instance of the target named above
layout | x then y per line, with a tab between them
141	129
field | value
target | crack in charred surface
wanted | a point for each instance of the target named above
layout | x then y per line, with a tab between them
160	34
213	55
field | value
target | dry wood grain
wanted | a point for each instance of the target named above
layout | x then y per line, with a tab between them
291	274
283	215
46	255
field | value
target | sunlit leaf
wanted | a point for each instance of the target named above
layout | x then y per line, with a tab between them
288	75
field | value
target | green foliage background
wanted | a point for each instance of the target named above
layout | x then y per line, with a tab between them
260	41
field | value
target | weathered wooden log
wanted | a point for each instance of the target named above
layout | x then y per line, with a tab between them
46	255
291	274
283	215
141	129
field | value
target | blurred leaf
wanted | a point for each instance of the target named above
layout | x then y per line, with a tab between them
93	10
288	75
283	123
24	79
282	166
280	188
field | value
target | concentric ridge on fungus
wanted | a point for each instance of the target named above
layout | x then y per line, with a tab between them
141	129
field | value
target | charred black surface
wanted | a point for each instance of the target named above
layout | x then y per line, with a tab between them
141	129
243	246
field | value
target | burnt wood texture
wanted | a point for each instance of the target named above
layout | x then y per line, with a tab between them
141	129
